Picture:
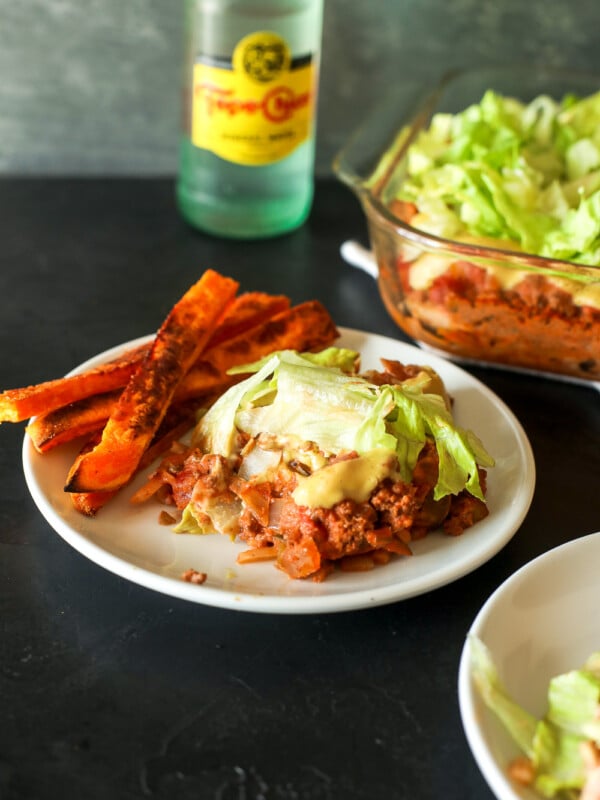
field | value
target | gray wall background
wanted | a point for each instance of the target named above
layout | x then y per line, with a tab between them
92	86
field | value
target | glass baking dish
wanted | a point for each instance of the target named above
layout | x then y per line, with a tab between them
472	300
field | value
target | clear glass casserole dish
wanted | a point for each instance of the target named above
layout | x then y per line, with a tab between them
477	299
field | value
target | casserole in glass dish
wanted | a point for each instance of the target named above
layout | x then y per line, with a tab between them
469	285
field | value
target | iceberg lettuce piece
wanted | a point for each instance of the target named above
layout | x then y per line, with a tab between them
578	238
409	427
459	451
582	116
313	404
557	760
297	399
574	703
582	157
210	515
216	431
592	664
191	522
340	357
373	433
520	724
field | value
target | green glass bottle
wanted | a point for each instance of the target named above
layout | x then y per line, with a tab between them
247	152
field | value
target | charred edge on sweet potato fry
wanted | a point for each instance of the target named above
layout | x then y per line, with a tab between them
69	422
145	399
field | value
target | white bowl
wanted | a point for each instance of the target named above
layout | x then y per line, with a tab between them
540	622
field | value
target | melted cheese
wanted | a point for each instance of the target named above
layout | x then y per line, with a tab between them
425	269
353	479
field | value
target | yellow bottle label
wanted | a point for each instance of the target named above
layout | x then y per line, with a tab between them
259	109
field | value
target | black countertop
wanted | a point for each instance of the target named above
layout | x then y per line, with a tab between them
109	690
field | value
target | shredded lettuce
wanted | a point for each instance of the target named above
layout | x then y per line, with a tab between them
557	760
552	743
519	723
574	702
527	173
193	523
340	357
306	398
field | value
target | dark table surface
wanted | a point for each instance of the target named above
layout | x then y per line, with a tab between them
109	690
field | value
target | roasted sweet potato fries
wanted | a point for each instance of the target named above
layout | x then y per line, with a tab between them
130	410
148	393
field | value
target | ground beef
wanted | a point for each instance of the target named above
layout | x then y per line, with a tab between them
465	510
307	539
344	528
252	532
397	504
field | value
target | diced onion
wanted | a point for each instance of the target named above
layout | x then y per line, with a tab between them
224	516
257	462
275	510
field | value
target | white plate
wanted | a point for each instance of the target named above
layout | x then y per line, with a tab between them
128	540
539	623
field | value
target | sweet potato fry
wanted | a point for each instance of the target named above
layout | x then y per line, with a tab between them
307	326
246	311
304	327
87	414
144	401
69	422
16	405
89	503
20	404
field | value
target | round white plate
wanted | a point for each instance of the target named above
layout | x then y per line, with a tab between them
539	623
128	540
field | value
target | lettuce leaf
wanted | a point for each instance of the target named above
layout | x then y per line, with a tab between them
298	399
574	703
520	724
557	759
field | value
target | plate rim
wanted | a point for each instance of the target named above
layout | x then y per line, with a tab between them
285	604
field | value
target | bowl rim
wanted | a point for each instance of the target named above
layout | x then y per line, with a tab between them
378	213
495	775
